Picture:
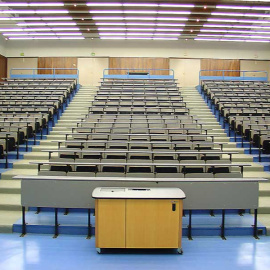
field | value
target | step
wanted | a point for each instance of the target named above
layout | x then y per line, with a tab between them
8	175
264	205
10	202
7	219
264	189
10	186
265	220
261	174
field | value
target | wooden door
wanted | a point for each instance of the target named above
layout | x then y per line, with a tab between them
110	223
153	223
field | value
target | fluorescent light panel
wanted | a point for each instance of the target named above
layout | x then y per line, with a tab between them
137	34
232	40
140	18
43	4
235	26
34	18
31	38
140	24
47	24
42	34
242	7
139	29
234	31
33	11
96	4
139	12
240	14
237	21
39	29
137	38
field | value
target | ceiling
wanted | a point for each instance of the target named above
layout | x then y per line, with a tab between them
209	20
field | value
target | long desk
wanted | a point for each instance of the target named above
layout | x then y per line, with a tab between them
75	192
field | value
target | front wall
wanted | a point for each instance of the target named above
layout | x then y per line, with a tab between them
220	64
22	62
142	63
91	70
57	62
186	71
255	65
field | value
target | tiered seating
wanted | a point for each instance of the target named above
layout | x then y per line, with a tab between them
139	129
26	107
245	106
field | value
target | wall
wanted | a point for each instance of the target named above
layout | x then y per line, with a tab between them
255	65
139	63
128	48
91	70
186	71
3	67
67	63
22	63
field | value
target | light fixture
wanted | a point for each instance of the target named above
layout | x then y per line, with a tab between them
42	38
243	7
139	24
39	29
240	14
236	20
41	4
165	12
47	24
100	18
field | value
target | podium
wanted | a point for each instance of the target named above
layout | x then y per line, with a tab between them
138	217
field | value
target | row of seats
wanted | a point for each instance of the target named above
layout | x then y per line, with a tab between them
250	116
95	148
22	116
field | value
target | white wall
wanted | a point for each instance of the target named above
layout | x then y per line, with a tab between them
21	62
91	70
127	48
186	71
2	46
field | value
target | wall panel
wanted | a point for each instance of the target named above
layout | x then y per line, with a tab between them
220	64
142	63
3	67
186	71
21	62
91	70
254	65
57	62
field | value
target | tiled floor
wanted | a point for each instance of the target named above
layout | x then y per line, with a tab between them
75	252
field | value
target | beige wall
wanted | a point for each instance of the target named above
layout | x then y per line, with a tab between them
186	71
21	63
91	70
142	48
253	65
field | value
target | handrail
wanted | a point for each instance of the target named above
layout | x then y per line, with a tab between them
243	75
35	74
142	73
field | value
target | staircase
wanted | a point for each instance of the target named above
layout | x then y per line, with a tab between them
10	208
10	189
200	110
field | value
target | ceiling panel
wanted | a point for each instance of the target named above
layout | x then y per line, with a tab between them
210	20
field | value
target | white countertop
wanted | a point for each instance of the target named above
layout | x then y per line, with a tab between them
137	193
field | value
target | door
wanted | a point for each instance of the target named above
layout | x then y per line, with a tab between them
153	223
110	223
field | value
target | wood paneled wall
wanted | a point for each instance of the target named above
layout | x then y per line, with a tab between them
57	62
220	64
3	67
142	63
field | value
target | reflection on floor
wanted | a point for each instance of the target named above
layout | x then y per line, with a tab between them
203	224
42	252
